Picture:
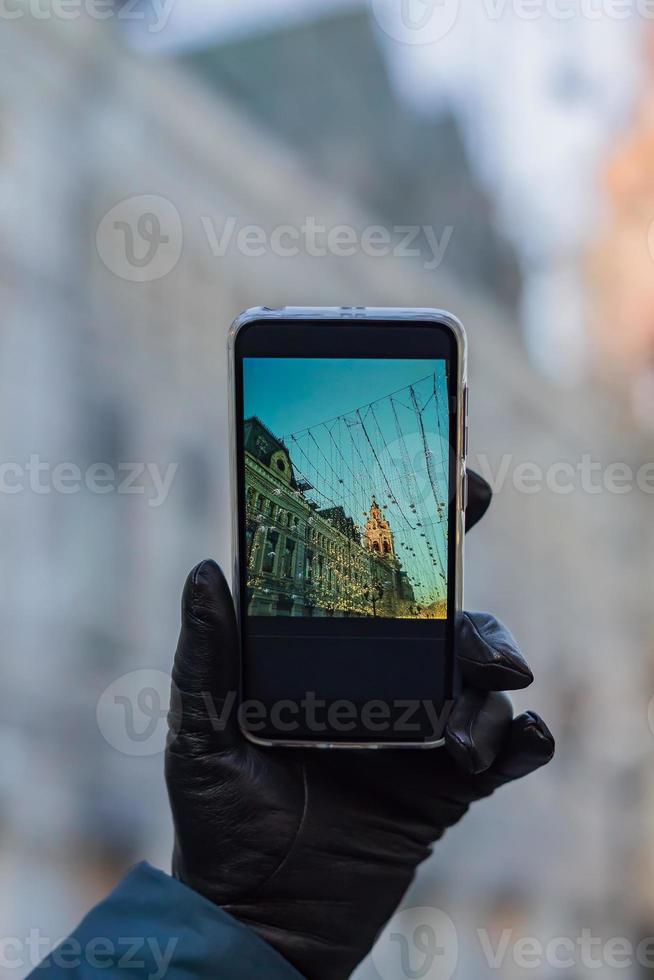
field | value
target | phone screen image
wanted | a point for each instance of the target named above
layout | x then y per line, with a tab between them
346	464
348	530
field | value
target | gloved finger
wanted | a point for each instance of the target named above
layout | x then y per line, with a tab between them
529	744
206	668
479	498
489	656
477	727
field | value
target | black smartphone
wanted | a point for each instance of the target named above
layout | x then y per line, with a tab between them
349	434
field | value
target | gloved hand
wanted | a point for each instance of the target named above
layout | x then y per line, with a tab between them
314	849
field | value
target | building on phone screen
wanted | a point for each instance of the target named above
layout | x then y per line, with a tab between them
307	561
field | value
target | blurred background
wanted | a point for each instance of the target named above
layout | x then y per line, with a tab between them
165	165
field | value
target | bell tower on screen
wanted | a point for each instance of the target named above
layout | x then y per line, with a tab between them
378	534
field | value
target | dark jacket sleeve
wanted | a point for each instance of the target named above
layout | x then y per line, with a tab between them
162	929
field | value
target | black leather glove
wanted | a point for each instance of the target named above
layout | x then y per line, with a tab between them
314	849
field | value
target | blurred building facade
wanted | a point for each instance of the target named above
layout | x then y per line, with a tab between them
405	167
620	267
95	367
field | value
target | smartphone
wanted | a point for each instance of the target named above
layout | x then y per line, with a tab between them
349	435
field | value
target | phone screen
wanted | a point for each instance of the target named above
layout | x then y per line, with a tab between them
345	470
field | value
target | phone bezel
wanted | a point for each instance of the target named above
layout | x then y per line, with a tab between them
415	315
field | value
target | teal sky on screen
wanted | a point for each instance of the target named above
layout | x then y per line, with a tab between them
392	448
292	393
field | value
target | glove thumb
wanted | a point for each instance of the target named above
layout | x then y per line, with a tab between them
205	675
